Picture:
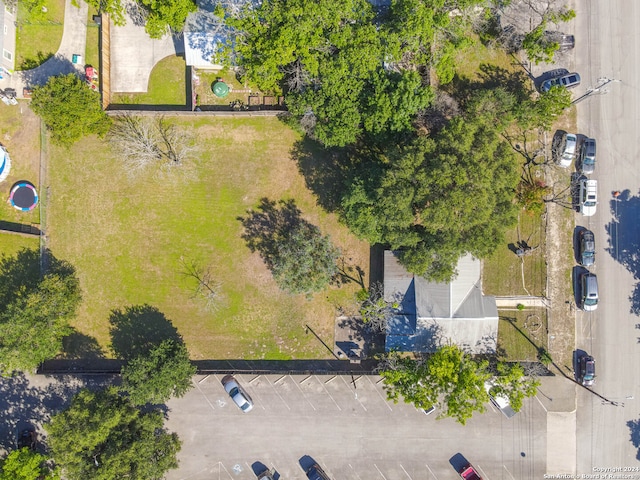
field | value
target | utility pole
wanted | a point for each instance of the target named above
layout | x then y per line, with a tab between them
602	82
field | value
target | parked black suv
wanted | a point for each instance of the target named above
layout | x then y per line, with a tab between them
316	473
587	248
587	373
588	156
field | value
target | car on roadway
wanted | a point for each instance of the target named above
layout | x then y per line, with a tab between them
569	150
587	372
239	396
27	438
589	291
587	248
588	156
468	472
569	80
314	472
588	197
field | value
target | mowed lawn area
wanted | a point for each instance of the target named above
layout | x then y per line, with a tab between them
20	135
129	236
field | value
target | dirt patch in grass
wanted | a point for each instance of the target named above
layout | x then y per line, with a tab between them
128	237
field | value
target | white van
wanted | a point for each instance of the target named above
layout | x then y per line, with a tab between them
500	401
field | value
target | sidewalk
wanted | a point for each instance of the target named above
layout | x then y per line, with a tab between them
74	39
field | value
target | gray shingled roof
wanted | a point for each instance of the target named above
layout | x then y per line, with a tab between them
435	313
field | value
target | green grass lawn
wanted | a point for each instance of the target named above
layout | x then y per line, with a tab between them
128	237
20	135
503	272
37	39
521	333
166	86
92	54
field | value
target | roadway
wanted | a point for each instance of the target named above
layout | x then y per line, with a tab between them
608	46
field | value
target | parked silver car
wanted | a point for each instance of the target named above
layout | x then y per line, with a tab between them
569	150
588	156
569	80
237	393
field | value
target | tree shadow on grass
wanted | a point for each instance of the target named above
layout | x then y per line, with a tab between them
327	171
265	227
137	329
80	346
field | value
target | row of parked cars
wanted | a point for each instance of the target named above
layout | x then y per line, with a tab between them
584	153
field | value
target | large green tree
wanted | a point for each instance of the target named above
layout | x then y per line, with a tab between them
25	464
163	15
453	382
102	436
437	198
69	109
301	259
164	372
35	310
328	58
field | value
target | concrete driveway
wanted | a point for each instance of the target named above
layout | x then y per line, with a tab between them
134	54
353	433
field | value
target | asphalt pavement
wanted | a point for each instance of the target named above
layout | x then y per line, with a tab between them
607	54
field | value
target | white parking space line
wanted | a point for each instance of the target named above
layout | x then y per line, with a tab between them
355	392
386	402
407	473
203	378
507	470
330	396
276	390
204	396
381	474
220	468
280	379
484	475
431	471
303	395
354	471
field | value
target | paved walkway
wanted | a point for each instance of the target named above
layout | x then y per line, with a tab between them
74	40
527	301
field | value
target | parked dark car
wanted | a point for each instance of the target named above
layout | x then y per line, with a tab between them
588	156
587	248
587	372
268	474
314	472
569	80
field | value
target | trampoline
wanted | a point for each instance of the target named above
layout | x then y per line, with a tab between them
5	164
24	196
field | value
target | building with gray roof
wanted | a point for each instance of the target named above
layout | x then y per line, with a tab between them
432	314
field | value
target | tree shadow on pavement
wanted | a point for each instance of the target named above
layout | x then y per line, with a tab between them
22	403
56	65
137	329
634	427
624	239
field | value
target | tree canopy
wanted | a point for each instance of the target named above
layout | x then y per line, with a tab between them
438	198
163	15
69	109
102	436
328	58
25	464
164	372
34	311
453	382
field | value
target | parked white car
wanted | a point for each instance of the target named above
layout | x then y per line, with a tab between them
588	197
569	150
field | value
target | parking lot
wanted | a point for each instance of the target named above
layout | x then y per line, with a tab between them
346	425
